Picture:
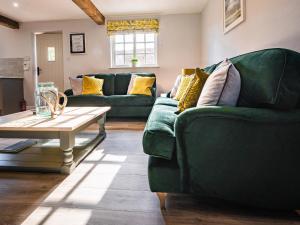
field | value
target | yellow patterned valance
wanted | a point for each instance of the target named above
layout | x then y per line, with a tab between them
115	26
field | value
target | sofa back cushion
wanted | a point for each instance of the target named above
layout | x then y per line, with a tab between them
122	81
109	82
269	78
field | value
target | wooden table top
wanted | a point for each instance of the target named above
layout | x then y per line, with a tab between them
71	119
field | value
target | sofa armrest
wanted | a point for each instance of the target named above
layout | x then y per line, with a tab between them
68	92
223	150
238	113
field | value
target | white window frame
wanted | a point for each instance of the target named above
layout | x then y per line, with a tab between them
112	50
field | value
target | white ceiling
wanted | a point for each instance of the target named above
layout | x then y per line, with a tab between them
43	10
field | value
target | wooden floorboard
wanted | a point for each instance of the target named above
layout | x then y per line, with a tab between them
110	187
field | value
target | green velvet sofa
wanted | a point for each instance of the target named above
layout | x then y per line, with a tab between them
249	154
115	95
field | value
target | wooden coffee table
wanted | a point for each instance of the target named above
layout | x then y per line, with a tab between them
65	127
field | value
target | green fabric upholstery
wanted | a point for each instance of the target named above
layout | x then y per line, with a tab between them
270	78
113	100
158	170
250	156
159	140
166	101
247	154
131	100
211	68
115	95
129	111
121	83
69	92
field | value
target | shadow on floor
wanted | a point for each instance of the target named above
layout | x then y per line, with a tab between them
110	187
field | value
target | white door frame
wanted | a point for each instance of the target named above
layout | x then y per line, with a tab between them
35	61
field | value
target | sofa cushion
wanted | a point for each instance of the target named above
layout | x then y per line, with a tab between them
166	101
123	79
113	100
109	82
191	95
159	139
184	83
76	85
269	78
222	87
142	86
91	85
130	100
175	86
121	83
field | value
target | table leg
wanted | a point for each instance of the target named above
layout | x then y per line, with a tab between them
101	123
67	142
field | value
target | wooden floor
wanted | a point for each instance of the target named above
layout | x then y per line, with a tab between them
110	187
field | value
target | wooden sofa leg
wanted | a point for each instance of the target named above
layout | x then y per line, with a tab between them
162	199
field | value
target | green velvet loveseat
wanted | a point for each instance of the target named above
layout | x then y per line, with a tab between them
249	154
115	95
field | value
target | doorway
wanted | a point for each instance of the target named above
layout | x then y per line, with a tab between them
49	58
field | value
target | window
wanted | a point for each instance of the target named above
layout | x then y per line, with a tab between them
51	54
128	46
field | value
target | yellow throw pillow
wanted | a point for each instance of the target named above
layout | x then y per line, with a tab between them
142	86
184	83
188	71
191	95
92	86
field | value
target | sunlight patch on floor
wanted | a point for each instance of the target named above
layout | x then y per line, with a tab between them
85	188
70	216
114	158
38	216
95	156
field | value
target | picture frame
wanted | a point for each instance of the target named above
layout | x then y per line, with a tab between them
233	14
77	43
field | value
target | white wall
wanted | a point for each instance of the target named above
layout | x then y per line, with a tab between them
269	23
178	47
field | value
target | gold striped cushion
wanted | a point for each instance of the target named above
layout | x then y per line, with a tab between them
184	83
188	71
190	96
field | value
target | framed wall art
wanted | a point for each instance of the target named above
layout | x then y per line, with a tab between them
234	13
77	43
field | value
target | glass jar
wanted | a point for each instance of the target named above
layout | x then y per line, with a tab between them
46	91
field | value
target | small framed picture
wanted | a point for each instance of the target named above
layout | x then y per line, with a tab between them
77	43
234	13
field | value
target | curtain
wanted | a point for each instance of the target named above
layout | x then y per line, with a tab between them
115	26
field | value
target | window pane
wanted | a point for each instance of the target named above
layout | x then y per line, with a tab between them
129	38
140	48
149	47
51	54
140	37
129	45
128	48
141	59
150	59
119	38
119	49
119	60
128	59
150	37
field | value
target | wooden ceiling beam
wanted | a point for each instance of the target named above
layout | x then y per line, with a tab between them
4	21
91	10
